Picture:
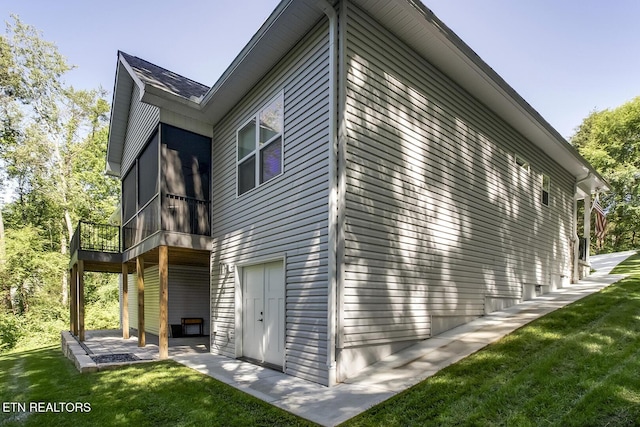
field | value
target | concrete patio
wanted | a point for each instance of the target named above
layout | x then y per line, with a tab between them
332	405
109	343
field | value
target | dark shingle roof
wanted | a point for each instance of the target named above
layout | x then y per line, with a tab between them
164	79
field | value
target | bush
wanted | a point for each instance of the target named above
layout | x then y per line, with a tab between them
11	331
103	315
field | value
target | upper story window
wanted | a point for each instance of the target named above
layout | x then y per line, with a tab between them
259	146
546	187
522	163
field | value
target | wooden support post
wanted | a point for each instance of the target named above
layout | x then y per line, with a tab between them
140	273
81	300
587	228
575	255
125	302
163	269
73	300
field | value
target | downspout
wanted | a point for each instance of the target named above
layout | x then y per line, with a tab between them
329	10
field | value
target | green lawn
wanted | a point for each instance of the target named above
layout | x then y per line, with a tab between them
153	394
578	366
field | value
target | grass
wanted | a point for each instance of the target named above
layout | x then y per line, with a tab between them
154	394
578	366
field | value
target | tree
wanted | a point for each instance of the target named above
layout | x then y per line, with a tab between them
32	70
32	269
610	141
53	141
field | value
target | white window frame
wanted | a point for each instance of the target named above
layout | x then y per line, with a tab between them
545	189
521	163
257	150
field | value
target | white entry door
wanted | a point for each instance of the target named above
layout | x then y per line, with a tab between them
263	313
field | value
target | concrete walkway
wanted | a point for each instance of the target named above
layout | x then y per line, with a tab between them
332	405
603	264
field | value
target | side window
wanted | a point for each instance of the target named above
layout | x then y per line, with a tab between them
259	147
522	163
546	186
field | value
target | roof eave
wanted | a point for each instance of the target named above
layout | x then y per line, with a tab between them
161	98
120	104
125	78
437	43
286	25
431	38
112	169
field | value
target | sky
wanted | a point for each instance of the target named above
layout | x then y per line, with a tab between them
566	58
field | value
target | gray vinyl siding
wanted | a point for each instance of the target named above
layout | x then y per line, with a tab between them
286	217
189	294
151	300
188	297
120	293
133	301
438	215
143	120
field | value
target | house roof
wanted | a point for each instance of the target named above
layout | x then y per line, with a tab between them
150	79
151	74
412	22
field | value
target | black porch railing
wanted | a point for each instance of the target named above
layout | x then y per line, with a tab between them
96	238
177	214
186	215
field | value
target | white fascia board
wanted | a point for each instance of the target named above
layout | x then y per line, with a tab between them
133	75
163	99
437	43
288	23
112	169
504	100
246	51
590	184
117	120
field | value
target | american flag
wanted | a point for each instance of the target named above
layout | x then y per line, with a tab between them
601	220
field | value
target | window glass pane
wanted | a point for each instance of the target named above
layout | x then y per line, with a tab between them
546	184
186	163
247	175
129	206
247	139
271	121
271	160
148	172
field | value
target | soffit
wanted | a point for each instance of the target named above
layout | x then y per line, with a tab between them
417	26
288	24
120	104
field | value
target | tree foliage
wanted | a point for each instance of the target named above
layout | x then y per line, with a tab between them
30	269
610	141
53	141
